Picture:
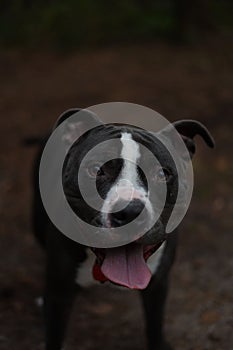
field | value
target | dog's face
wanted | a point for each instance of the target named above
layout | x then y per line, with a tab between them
123	186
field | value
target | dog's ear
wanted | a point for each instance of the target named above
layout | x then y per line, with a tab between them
75	122
188	129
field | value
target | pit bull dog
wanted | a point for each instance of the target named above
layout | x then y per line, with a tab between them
143	264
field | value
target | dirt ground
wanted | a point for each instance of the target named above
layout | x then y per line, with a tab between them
179	82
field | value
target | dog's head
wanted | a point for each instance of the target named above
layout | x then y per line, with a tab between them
123	186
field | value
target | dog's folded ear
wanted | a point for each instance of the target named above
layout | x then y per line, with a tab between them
76	121
188	129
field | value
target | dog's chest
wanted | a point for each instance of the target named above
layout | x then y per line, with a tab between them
85	277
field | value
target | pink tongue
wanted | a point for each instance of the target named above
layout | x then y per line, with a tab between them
126	266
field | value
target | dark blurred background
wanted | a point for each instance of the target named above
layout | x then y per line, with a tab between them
173	56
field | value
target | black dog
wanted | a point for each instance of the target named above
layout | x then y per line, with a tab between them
143	264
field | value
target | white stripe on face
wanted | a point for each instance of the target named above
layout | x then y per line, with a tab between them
127	187
130	153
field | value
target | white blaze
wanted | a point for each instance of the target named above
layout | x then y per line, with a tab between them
127	186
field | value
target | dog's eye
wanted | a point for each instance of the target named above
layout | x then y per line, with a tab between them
95	170
163	175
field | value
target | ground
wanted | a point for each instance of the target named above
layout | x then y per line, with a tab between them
179	82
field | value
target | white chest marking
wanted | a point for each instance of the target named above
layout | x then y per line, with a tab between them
84	276
154	260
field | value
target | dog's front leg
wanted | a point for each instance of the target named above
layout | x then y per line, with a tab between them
59	292
154	297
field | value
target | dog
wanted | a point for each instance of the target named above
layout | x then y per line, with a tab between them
143	264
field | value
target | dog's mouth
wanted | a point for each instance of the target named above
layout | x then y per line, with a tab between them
125	265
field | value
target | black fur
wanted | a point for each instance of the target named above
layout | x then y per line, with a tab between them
63	256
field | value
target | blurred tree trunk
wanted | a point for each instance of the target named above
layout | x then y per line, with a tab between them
27	4
192	18
146	4
4	6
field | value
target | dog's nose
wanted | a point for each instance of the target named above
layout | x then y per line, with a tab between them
130	212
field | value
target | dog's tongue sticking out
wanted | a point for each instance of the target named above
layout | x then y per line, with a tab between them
126	266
